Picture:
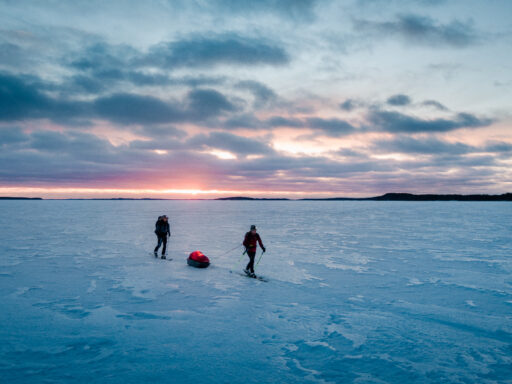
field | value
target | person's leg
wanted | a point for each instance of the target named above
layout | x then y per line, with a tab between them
250	266
159	243
249	263
164	239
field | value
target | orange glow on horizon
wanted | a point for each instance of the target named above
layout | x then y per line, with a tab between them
69	192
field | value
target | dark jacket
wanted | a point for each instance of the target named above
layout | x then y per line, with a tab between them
251	240
162	228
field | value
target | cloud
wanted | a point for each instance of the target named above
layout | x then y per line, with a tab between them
435	104
102	58
497	146
21	98
263	95
348	105
429	146
80	145
279	121
135	109
161	131
331	127
245	120
204	103
422	30
12	135
74	158
395	122
232	143
198	105
210	51
399	100
300	10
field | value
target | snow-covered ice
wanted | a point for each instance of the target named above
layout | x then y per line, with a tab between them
362	292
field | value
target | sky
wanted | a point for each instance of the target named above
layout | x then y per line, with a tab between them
290	98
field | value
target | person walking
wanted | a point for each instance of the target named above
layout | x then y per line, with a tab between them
251	241
162	230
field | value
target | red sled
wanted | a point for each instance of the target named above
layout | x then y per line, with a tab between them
198	260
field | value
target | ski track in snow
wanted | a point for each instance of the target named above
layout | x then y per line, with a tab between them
358	292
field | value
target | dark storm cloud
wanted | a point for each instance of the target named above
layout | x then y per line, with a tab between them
21	98
421	30
395	122
208	51
399	100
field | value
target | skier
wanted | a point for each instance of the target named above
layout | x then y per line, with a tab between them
251	240
162	230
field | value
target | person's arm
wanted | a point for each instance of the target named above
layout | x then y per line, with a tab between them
261	244
246	241
168	230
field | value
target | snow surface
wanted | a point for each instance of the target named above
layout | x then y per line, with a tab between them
358	292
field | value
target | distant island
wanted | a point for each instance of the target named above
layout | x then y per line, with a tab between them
250	198
19	198
398	197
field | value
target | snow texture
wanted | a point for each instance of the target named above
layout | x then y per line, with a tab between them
358	292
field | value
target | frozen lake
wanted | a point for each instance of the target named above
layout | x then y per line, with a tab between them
362	292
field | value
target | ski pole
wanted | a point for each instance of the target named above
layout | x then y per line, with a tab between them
238	262
262	252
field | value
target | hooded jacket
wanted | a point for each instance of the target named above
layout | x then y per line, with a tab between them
162	228
251	240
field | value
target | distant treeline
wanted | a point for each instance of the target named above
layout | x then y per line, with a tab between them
398	197
249	198
429	197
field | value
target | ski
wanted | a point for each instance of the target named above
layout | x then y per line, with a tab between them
255	277
160	257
